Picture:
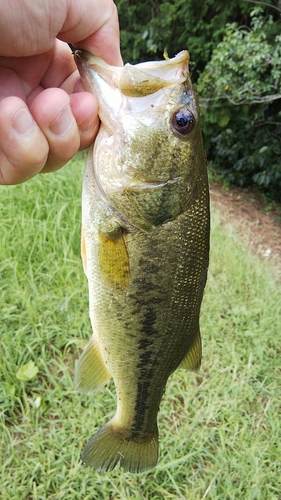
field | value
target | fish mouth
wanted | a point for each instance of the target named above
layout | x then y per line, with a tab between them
137	80
135	100
142	91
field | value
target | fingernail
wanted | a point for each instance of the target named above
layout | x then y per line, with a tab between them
23	122
63	122
90	123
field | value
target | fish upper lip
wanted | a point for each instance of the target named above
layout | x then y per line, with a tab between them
129	77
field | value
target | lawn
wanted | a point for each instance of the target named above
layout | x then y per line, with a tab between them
220	435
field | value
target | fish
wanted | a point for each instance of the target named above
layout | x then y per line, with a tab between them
144	246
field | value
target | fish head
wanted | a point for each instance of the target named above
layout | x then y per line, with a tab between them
148	157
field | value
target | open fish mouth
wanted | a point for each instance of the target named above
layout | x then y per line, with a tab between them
135	89
142	108
137	80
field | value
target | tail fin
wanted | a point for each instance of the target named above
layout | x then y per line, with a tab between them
112	445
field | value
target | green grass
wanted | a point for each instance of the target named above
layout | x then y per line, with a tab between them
220	433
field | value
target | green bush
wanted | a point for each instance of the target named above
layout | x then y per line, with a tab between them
149	27
240	91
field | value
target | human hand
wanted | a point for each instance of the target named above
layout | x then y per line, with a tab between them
45	114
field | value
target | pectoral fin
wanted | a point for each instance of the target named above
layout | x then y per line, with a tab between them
192	359
113	259
91	372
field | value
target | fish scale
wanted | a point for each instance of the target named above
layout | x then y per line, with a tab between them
145	248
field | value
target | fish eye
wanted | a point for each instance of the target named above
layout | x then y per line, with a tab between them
183	121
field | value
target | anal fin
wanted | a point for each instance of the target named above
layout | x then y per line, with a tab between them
91	372
192	360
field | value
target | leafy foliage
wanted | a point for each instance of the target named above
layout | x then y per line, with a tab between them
246	66
241	90
148	27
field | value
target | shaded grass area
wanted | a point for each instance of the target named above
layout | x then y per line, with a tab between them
219	428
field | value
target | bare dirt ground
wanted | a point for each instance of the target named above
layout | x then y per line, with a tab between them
258	227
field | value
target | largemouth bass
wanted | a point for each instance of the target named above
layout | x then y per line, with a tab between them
145	247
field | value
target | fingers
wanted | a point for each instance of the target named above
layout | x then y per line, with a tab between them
23	146
68	122
52	111
85	110
41	126
47	136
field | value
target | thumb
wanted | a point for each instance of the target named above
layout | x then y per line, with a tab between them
94	28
